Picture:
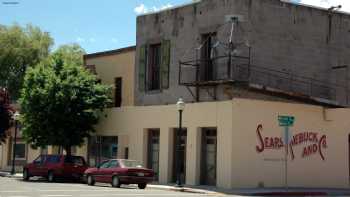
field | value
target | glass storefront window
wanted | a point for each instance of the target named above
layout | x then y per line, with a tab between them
102	148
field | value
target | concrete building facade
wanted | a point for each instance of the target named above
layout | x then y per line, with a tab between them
298	50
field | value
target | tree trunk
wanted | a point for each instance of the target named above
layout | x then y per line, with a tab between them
68	150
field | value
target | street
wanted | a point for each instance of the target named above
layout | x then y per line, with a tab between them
11	187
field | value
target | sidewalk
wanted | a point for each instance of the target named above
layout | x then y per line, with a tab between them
8	174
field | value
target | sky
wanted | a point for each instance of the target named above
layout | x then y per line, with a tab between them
97	25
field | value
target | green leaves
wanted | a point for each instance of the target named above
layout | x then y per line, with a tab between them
61	101
20	48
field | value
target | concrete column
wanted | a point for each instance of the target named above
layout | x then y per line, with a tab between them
193	156
224	147
165	155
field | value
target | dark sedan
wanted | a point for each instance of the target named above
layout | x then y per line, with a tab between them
120	171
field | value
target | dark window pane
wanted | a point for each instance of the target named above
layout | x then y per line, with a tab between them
53	159
154	67
20	151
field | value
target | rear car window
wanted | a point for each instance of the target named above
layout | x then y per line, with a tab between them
132	164
53	159
74	160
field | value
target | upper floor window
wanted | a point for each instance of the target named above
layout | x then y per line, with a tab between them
118	92
154	61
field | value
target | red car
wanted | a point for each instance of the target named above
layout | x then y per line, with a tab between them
120	171
55	166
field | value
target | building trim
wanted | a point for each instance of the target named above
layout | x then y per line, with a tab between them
110	52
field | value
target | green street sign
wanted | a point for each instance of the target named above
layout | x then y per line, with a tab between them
286	121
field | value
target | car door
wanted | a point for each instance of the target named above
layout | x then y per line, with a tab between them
113	168
41	167
101	172
35	166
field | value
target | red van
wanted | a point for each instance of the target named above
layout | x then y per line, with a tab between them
56	166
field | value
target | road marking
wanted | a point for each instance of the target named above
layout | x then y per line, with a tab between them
143	194
55	195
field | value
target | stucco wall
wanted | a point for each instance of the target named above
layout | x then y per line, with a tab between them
252	167
111	66
239	165
295	39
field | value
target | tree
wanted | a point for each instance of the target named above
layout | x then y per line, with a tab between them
6	113
20	48
61	101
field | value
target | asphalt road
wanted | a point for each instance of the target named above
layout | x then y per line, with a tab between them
11	187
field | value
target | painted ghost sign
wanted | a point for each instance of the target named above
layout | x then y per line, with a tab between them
312	142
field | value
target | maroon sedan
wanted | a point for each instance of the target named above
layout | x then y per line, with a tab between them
120	171
55	166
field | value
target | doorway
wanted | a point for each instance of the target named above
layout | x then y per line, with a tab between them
180	154
153	151
208	156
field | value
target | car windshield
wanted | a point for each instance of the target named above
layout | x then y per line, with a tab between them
131	164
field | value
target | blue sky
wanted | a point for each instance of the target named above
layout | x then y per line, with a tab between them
97	25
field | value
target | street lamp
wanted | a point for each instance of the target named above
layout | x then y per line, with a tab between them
180	107
16	118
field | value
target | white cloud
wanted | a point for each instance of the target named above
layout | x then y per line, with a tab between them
142	9
80	39
329	3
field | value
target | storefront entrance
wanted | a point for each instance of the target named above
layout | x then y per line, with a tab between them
102	148
153	151
180	154
208	156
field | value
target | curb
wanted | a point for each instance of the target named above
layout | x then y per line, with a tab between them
184	189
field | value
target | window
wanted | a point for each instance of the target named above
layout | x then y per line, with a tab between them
20	151
153	67
154	61
101	148
114	164
131	164
207	51
104	164
118	92
53	159
38	160
74	160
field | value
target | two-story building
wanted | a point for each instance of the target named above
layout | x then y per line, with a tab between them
250	72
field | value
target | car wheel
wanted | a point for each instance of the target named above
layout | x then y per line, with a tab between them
115	181
26	175
142	185
50	176
90	180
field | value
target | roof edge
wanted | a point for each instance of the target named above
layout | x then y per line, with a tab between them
110	52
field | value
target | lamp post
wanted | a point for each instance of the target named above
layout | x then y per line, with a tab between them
15	117
180	107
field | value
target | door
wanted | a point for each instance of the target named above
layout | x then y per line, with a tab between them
207	51
208	157
180	155
153	151
101	172
35	167
113	168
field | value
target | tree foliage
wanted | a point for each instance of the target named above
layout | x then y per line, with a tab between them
20	48
6	113
61	101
